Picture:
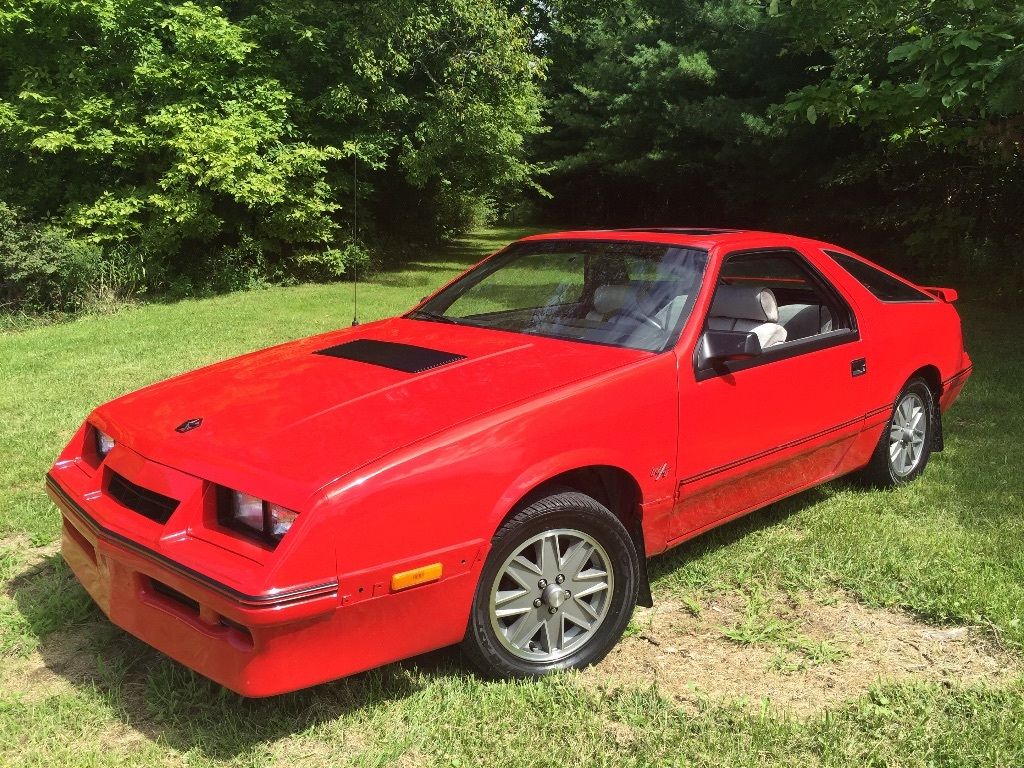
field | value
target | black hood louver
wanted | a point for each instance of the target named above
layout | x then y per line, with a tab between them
389	354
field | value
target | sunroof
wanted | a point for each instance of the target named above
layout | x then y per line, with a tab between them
683	230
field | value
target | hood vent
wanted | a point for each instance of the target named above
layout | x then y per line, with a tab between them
388	354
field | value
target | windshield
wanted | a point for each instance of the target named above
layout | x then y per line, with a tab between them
626	294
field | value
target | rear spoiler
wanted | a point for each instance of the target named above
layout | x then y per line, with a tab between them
948	295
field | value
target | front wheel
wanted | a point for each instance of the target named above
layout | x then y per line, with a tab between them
906	444
557	590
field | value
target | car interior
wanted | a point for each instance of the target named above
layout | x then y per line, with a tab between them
775	297
639	302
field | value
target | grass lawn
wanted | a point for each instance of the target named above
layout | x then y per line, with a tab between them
765	600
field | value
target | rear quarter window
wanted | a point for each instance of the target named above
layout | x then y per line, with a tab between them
884	287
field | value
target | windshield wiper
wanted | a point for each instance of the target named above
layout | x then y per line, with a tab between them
424	314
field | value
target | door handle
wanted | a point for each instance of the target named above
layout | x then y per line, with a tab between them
859	367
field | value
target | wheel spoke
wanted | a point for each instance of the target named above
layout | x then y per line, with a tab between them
513	603
548	632
578	556
523	630
580	613
593	589
550	560
524	572
916	421
590	575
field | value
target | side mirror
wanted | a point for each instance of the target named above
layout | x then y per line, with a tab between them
723	346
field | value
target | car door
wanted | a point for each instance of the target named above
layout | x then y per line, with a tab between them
753	430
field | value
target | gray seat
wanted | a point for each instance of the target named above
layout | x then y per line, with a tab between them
749	308
802	321
611	299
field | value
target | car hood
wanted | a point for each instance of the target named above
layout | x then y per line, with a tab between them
285	421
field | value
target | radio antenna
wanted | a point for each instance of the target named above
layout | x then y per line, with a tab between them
355	235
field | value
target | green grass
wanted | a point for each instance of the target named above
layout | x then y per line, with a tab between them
948	548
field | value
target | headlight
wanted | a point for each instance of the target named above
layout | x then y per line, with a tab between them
104	443
253	515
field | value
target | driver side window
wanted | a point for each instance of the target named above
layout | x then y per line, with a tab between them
796	303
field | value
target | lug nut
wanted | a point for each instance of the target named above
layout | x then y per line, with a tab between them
552	610
542	583
559	579
568	594
538	603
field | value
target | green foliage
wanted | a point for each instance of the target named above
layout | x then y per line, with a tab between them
650	104
41	268
891	127
932	93
223	136
946	72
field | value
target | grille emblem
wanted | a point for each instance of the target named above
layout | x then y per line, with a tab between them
189	425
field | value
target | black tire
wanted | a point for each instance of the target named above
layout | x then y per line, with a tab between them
880	471
563	511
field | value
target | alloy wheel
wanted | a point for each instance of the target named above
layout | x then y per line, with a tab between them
907	434
551	595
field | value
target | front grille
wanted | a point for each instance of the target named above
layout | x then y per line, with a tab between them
147	503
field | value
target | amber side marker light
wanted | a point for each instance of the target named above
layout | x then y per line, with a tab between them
422	575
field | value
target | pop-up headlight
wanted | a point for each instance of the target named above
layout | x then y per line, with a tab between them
253	515
104	443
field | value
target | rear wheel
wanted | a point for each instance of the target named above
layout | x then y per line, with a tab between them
906	444
557	590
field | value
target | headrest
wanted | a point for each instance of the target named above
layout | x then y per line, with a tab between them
746	302
611	298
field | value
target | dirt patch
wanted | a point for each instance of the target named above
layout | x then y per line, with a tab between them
62	661
20	546
800	654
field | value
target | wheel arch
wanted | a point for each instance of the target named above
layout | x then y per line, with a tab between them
933	378
930	373
611	485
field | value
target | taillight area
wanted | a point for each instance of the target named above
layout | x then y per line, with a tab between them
257	518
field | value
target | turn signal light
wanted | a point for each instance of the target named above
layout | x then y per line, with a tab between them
423	575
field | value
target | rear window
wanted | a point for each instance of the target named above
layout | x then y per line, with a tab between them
884	287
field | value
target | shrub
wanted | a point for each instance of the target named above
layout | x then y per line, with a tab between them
42	268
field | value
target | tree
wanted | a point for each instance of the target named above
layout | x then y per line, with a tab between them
947	72
215	134
658	110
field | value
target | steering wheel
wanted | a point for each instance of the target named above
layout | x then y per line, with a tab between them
645	319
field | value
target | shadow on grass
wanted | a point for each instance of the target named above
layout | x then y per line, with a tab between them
168	703
726	535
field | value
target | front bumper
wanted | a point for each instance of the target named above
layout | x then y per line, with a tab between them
253	648
265	644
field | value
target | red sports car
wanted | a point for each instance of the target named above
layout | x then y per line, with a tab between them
494	467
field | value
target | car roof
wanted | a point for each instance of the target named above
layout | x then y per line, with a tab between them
693	237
